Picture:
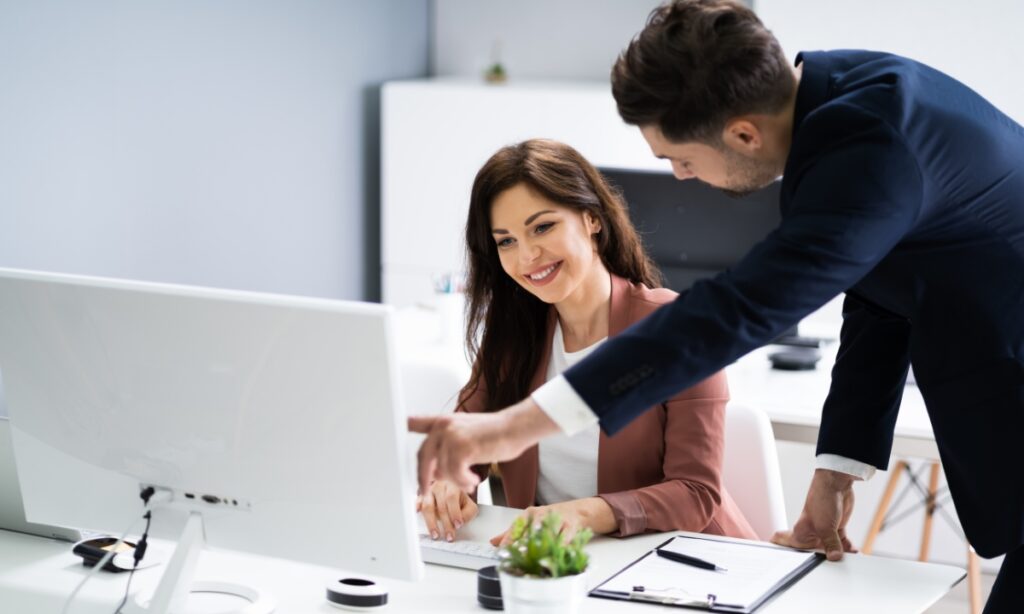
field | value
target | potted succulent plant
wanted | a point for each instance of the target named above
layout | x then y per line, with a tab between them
541	572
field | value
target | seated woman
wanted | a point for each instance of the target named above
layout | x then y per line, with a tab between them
554	268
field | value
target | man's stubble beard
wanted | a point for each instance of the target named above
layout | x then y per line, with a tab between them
745	175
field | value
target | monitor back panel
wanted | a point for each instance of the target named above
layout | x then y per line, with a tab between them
12	511
288	406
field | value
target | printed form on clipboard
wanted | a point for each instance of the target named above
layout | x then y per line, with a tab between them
753	572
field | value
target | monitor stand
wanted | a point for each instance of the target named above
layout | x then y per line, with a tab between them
176	584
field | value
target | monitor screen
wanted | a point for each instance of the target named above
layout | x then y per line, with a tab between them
691	229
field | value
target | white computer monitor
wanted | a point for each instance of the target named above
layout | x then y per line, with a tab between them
276	420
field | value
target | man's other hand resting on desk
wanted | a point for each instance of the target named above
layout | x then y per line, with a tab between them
822	523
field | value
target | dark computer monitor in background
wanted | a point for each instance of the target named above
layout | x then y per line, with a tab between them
694	231
691	229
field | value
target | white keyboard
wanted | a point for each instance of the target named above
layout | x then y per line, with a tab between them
463	554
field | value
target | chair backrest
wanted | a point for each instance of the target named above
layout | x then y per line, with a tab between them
430	386
750	469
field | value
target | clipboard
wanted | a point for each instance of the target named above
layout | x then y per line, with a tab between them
756	572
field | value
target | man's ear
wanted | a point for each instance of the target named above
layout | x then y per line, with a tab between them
743	135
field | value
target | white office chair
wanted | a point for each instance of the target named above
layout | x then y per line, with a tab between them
431	386
750	469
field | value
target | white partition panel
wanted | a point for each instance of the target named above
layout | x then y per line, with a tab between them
436	134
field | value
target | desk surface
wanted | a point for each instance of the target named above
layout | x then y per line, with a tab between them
793	400
36	574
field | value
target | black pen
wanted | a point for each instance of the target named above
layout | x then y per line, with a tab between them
688	560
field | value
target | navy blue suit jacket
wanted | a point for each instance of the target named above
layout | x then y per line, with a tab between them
904	189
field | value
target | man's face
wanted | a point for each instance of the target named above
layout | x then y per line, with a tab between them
721	167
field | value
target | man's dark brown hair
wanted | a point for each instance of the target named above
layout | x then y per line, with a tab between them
697	64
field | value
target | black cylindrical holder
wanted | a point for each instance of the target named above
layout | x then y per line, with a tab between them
358	594
488	588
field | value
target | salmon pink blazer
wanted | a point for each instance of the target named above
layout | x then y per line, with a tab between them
661	472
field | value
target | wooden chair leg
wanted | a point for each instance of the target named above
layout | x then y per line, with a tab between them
973	562
974	580
929	512
883	508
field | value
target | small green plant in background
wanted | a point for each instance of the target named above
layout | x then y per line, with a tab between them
538	549
495	73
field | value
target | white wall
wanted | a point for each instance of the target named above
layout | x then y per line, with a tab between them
230	143
977	43
571	39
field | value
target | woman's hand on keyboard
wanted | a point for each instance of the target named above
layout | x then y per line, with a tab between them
446	508
592	512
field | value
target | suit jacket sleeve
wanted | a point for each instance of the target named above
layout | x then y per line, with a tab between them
858	420
851	203
690	494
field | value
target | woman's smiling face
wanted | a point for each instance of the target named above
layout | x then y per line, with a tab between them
547	248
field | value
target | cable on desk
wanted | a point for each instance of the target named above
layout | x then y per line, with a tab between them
140	551
146	496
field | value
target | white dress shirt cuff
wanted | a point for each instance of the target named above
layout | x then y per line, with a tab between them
563	405
845	465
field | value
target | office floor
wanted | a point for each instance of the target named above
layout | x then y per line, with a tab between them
956	602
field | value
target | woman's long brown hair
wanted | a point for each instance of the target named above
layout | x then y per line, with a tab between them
505	324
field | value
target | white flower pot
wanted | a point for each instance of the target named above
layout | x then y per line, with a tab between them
529	595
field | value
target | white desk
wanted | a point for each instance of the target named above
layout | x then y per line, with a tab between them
36	574
793	400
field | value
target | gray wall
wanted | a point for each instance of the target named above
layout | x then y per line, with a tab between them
982	48
230	143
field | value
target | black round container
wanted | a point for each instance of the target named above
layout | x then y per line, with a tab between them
488	588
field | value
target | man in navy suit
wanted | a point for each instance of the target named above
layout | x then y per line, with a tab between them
902	188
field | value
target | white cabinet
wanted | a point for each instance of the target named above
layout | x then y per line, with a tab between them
436	134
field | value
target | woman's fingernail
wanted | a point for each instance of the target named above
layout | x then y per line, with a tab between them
433	534
458	524
450	537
